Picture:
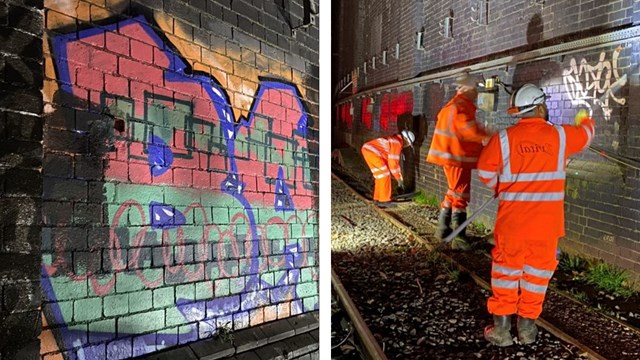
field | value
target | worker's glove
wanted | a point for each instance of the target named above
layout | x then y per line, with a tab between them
580	116
401	184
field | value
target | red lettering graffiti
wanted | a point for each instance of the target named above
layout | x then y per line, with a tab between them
393	105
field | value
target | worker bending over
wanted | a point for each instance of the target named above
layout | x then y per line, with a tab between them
526	166
383	157
456	144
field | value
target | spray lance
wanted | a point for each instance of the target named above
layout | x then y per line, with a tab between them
460	227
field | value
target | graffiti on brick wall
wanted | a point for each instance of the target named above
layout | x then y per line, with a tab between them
345	114
367	115
393	105
211	220
589	85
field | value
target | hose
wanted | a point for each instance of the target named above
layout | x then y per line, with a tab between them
345	339
626	161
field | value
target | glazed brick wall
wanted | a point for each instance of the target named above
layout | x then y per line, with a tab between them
20	177
180	174
513	26
602	219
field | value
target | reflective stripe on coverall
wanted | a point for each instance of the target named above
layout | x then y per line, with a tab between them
455	146
526	167
383	157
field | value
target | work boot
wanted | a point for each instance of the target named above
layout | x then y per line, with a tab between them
444	222
385	204
461	242
498	333
527	330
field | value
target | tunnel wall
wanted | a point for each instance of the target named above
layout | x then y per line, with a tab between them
603	186
367	28
179	172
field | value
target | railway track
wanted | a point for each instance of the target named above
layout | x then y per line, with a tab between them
363	340
555	343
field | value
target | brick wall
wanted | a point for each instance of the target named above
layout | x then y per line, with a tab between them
20	177
513	26
180	172
603	189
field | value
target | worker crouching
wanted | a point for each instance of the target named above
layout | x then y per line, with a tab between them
526	166
456	144
383	158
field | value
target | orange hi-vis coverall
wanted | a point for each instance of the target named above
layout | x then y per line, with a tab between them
456	144
526	166
383	157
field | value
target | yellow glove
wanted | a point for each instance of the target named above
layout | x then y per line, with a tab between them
580	116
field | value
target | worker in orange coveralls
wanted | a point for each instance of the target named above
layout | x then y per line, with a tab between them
383	157
526	166
456	144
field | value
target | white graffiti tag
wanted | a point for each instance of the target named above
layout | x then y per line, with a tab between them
590	86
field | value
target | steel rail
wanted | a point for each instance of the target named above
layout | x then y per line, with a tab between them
592	354
369	342
594	42
567	296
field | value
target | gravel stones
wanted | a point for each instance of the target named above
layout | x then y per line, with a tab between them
350	210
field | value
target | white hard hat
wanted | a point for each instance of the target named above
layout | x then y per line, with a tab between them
526	99
408	134
466	79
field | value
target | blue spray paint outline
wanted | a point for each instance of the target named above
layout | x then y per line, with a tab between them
160	156
283	200
177	71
